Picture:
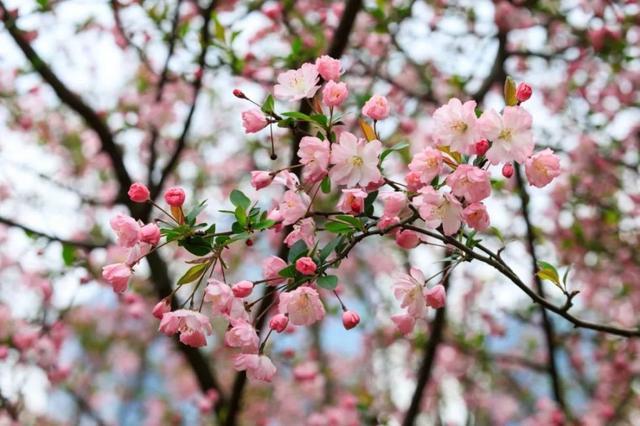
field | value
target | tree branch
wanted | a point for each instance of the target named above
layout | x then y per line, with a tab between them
80	244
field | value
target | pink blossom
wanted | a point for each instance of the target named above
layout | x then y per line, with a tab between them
352	201
404	323
306	266
127	230
435	297
350	319
294	85
303	230
242	335
334	94
387	221
138	193
408	289
303	305
117	275
220	295
288	179
414	181
507	170
393	203
407	239
25	337
258	367
279	323
314	153
455	125
376	108
150	234
523	93
476	216
439	209
242	289
541	168
260	179
271	267
355	161
328	67
470	182
427	164
253	120
174	197
192	326
510	133
161	308
294	206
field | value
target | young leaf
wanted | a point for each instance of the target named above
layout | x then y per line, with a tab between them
268	105
547	271
325	185
193	273
68	254
238	199
396	147
329	282
367	130
297	250
338	227
510	92
288	272
329	248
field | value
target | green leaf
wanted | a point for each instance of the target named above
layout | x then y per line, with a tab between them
368	203
329	248
325	185
338	227
297	115
68	254
241	216
197	245
565	276
268	105
388	151
355	222
547	271
297	250
194	212
238	199
193	273
329	282
288	272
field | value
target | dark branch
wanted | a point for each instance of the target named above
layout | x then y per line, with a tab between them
80	244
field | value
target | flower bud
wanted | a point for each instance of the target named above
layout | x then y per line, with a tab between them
161	308
239	94
507	170
306	266
174	197
260	179
279	323
482	146
436	296
524	92
242	289
138	193
150	234
350	319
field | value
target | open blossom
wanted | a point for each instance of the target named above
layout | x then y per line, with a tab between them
355	161
220	296
306	266
304	230
541	168
279	323
127	230
510	133
288	179
436	296
470	182
138	193
258	367
150	234
314	153
294	85
476	216
294	206
439	209
408	289
393	203
352	201
117	275
455	125
260	179
334	94
253	120
427	164
376	108
192	326
303	305
242	335
328	67
271	267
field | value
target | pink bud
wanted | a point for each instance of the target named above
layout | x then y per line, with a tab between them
407	239
507	170
413	181
436	296
523	92
306	266
242	289
117	275
138	193
174	197
350	319
279	323
253	120
260	179
161	308
482	146
150	234
376	108
239	94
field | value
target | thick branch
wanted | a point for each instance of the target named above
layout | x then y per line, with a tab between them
80	244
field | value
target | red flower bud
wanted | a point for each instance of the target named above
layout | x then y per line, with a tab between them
239	94
350	319
482	146
524	92
507	170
